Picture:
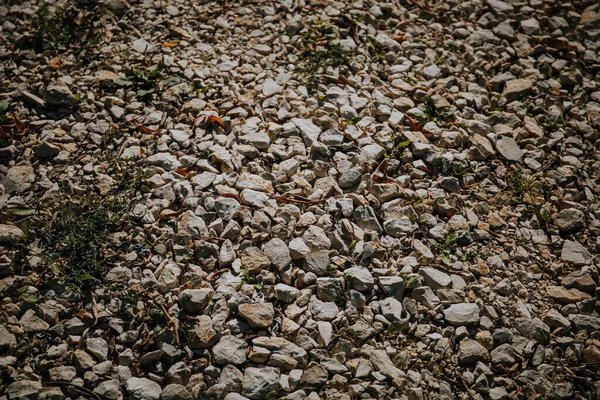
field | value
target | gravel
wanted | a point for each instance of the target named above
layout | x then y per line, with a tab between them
335	200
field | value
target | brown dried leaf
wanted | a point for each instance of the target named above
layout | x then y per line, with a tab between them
212	120
145	129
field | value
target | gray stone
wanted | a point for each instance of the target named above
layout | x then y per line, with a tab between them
260	382
509	149
499	7
109	390
570	220
314	377
382	363
573	252
230	350
10	234
194	301
226	207
59	95
308	130
270	87
471	352
434	278
359	278
530	27
533	329
258	315
504	355
366	219
278	252
462	314
23	390
175	391
142	389
349	178
516	89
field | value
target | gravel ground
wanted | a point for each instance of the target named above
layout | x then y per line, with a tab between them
299	199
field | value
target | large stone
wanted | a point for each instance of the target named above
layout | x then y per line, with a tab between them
570	220
509	149
31	323
142	389
195	300
533	329
462	314
360	278
230	350
471	352
283	347
499	7
516	89
260	383
258	315
434	278
308	130
202	335
10	234
382	363
278	252
575	253
562	295
23	390
59	95
314	377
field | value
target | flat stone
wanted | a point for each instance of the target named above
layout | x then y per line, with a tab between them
382	363
462	314
516	89
562	295
258	315
471	352
260	382
10	234
509	149
230	350
143	389
270	87
573	252
434	278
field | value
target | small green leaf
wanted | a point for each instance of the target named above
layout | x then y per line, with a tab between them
404	144
172	81
144	93
3	105
22	211
446	259
123	82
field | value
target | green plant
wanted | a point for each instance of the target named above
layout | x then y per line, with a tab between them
248	278
4	118
74	236
198	87
429	108
147	81
523	185
73	22
318	53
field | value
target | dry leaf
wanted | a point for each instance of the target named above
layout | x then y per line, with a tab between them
169	44
414	125
56	63
212	120
145	129
179	31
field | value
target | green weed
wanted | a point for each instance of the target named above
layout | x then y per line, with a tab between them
318	53
73	23
74	236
